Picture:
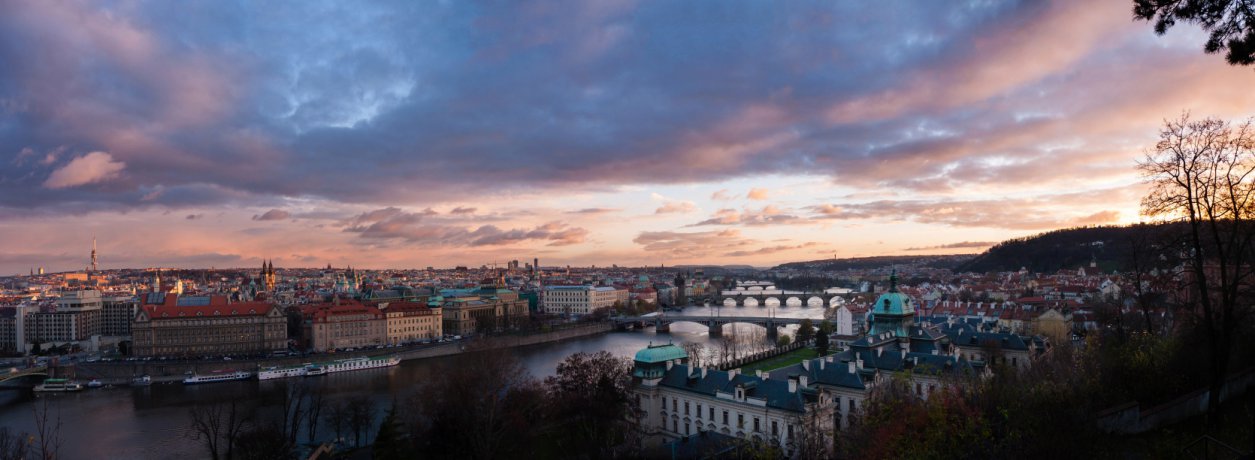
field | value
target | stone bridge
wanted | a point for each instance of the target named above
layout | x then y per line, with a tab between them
714	324
9	378
779	298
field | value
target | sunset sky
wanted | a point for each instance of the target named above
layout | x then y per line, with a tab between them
416	133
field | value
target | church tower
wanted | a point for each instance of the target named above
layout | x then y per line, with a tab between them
268	275
93	254
680	297
893	311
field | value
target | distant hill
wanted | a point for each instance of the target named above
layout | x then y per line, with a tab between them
1109	246
868	263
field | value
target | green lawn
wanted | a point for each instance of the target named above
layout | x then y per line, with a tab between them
787	359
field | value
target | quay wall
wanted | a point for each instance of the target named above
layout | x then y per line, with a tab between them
121	372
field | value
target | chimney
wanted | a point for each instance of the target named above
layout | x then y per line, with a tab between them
806	364
758	373
802	381
732	374
851	363
792	385
829	358
669	364
903	353
821	364
703	372
860	363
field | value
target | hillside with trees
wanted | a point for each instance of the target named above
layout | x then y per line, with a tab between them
870	263
1110	247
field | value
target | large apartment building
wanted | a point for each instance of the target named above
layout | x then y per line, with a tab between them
486	308
410	321
343	324
580	300
173	325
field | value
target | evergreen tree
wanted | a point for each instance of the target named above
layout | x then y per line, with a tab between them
391	443
821	340
806	331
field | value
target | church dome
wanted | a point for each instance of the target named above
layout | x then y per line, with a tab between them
660	353
893	302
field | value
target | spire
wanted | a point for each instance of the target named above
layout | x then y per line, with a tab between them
893	281
93	253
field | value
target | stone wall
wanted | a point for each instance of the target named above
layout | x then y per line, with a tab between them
1130	418
170	371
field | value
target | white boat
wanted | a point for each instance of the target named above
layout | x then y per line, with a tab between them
315	369
95	383
142	381
217	376
357	364
58	385
282	372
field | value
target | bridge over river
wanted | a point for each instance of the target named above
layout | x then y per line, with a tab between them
23	377
662	322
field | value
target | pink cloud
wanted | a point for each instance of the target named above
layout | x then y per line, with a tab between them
92	168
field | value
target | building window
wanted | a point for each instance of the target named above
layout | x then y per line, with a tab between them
725	417
774	429
712	414
740	420
756	429
686	407
851	404
699	411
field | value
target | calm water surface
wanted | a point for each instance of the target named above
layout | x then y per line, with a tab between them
152	422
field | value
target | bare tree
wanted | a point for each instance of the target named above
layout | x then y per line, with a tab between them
361	415
218	426
13	446
337	417
695	351
314	415
1202	173
48	430
294	411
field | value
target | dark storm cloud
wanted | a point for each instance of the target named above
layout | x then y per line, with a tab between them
217	102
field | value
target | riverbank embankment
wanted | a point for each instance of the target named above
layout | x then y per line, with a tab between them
122	372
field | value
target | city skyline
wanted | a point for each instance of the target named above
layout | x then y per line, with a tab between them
405	136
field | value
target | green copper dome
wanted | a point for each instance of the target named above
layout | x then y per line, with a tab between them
660	353
893	302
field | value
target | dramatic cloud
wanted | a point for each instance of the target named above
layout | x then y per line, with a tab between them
919	117
396	224
768	215
676	207
772	249
273	214
959	245
87	169
594	211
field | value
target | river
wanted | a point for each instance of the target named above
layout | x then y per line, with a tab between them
152	422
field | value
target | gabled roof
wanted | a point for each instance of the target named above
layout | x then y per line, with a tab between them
775	393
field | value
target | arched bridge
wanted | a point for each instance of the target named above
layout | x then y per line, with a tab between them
36	371
713	323
779	298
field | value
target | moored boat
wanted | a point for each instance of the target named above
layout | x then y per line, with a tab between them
142	381
357	364
58	385
216	376
282	372
95	383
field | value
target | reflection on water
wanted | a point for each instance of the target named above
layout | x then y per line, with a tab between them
152	422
